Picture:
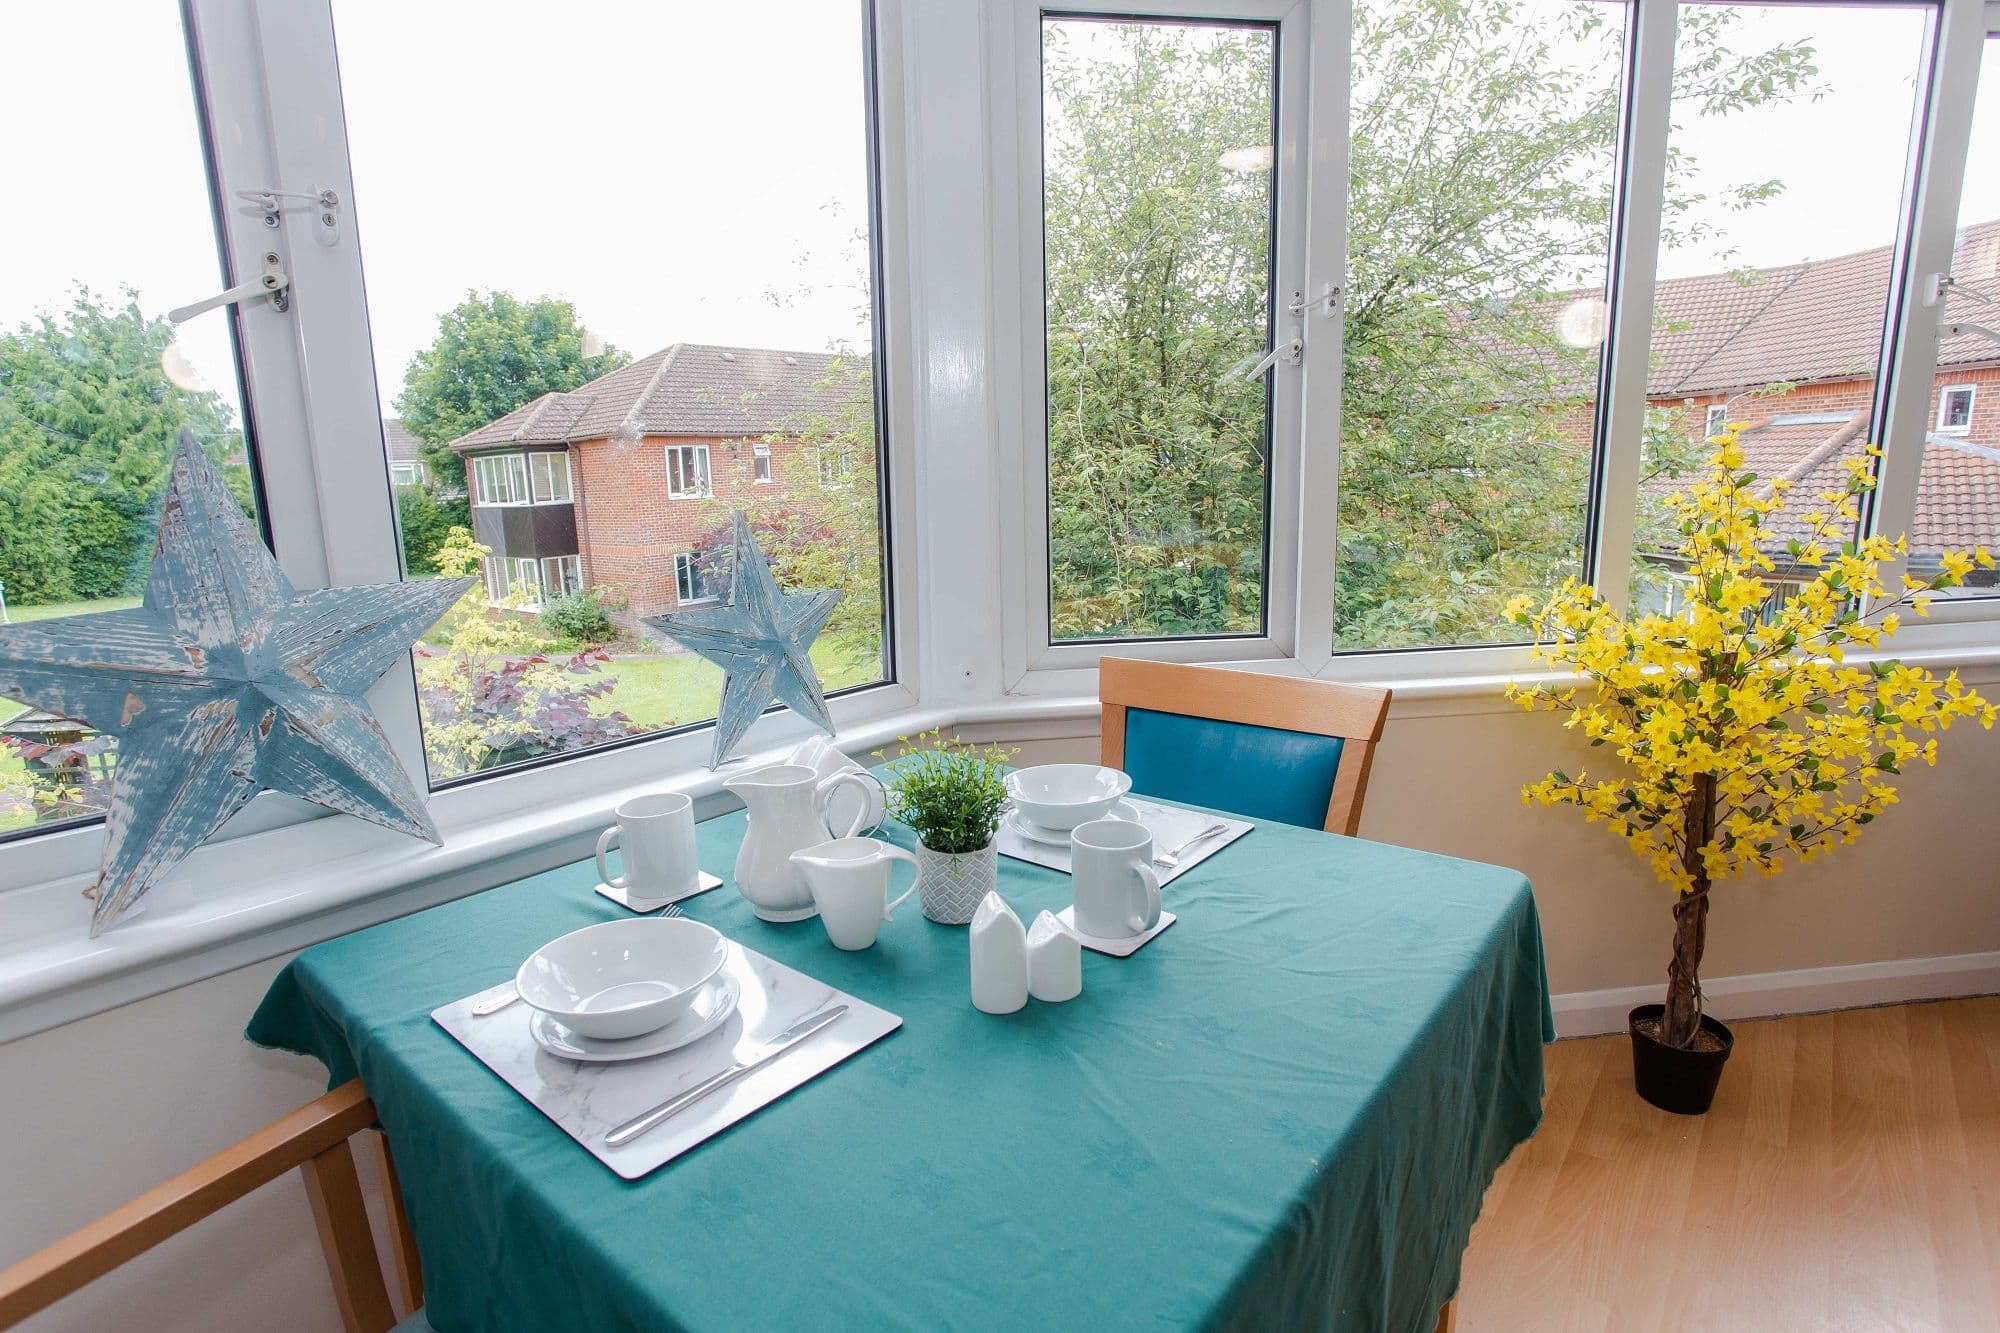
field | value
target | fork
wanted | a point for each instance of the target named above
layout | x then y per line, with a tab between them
501	1001
1171	859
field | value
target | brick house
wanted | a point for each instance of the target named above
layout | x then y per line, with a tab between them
608	485
1724	343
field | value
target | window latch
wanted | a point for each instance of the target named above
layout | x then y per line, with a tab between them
273	283
270	202
1289	352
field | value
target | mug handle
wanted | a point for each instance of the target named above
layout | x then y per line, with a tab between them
604	841
896	853
824	793
1150	916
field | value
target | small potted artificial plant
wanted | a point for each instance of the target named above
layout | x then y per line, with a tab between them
1744	733
951	794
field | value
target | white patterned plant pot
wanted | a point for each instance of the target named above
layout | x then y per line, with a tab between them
951	884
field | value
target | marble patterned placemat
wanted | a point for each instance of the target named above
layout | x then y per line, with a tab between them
587	1100
1170	826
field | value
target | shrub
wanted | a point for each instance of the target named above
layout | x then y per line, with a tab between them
578	617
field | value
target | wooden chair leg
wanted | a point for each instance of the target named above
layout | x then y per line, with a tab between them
1448	1317
402	1245
342	1219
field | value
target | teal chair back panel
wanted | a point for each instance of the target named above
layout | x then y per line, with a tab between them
1258	772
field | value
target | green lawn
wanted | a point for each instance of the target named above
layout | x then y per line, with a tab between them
21	615
660	692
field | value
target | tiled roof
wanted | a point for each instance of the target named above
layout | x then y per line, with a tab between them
1818	320
684	389
401	444
1958	495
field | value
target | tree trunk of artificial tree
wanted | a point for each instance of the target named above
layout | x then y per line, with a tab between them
1683	1015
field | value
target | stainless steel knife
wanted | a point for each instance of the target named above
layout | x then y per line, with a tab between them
769	1051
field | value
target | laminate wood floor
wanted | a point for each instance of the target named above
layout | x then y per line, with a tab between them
1848	1177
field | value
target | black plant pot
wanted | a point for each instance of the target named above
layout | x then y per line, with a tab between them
1672	1079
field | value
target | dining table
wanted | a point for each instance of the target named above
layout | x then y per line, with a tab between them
1280	1113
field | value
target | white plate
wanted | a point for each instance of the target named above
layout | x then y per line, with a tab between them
1033	832
708	1012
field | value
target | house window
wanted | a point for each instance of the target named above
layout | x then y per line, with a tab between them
836	466
694	578
1714	420
1157	235
548	476
406	474
760	463
500	479
1955	409
687	472
562	574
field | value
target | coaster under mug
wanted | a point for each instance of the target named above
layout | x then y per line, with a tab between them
1118	948
624	899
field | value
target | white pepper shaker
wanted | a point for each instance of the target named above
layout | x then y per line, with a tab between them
999	958
1055	961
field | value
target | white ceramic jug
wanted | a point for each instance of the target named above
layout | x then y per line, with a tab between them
849	879
787	804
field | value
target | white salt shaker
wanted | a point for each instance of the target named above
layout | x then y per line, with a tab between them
999	958
1055	961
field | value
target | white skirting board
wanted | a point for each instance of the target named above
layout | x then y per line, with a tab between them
1809	990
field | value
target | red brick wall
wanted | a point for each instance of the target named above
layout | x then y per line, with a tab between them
628	527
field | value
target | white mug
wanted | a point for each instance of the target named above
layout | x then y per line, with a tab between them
849	879
655	834
1111	865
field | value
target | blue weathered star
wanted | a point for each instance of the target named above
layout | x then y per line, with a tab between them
760	640
223	683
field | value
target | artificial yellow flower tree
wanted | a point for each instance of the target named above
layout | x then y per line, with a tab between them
1745	732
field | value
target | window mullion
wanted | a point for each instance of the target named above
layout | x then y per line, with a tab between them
1940	141
1647	116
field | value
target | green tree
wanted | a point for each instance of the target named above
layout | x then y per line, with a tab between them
493	352
1481	162
425	520
88	421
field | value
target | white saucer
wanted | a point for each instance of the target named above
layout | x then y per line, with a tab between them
1034	832
709	1011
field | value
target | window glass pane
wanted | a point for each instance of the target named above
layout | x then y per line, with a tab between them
592	310
1482	166
107	225
1785	183
1157	203
1958	492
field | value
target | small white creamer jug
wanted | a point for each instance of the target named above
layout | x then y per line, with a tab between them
849	879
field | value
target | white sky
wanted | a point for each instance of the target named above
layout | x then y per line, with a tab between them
665	167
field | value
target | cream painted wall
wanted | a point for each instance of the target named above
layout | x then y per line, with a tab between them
101	1109
1924	882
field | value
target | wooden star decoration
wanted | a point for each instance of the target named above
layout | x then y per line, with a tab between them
760	640
225	682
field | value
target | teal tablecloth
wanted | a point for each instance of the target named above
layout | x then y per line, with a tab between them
1280	1114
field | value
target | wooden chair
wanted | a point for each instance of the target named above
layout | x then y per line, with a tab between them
313	1138
1278	748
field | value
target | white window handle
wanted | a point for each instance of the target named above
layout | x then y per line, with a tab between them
272	282
1289	352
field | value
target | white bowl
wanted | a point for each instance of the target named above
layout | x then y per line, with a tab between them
622	978
1061	796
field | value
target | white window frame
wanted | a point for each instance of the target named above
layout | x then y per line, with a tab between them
760	463
678	457
1714	419
488	470
684	578
1300	543
406	474
836	466
1945	393
542	474
563	573
958	92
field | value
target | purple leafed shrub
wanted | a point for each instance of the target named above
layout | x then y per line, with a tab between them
558	720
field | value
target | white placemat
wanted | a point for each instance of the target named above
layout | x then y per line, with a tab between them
587	1100
1170	826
